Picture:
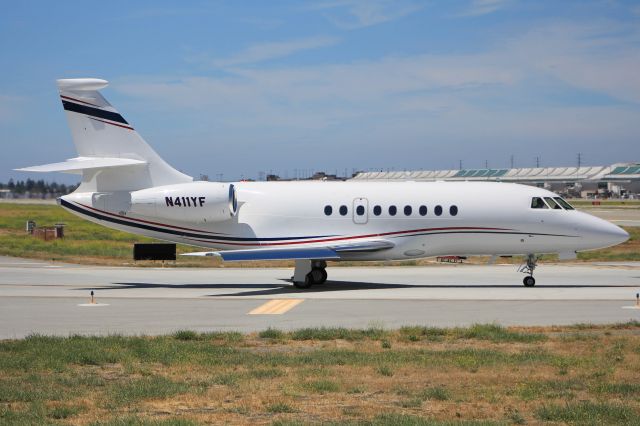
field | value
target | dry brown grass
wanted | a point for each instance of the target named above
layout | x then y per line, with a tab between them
487	373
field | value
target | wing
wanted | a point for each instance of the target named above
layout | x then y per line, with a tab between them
320	253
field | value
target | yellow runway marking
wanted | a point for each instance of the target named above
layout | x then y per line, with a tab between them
276	307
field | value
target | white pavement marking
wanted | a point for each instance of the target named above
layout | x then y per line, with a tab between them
90	305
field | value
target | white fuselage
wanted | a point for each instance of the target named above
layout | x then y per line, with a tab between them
491	218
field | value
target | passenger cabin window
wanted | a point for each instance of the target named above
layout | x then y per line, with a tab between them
393	210
453	210
423	210
552	203
538	203
343	210
377	210
438	210
407	210
360	210
328	210
563	203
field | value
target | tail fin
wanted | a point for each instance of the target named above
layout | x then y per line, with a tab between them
102	136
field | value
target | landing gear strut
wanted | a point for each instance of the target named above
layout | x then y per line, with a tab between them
309	272
528	268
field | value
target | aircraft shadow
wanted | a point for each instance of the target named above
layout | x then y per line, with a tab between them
330	286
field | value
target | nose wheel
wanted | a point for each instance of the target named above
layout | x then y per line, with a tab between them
528	268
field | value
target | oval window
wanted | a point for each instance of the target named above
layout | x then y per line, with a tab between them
328	210
343	210
438	210
377	210
423	210
393	210
360	210
407	210
453	210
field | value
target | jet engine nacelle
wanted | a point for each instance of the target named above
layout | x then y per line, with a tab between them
191	202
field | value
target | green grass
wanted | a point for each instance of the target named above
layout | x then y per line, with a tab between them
588	413
519	375
83	239
397	419
496	333
137	421
327	333
133	391
551	389
622	389
322	386
492	332
393	419
271	333
438	393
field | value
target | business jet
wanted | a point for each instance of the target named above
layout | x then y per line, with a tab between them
125	185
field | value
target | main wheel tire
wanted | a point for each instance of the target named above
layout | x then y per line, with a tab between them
529	281
304	284
323	276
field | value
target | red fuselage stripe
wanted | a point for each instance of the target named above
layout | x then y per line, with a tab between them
146	221
322	240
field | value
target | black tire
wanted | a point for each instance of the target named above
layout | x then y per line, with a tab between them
323	276
529	281
302	285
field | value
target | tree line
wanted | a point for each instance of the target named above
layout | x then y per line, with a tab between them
38	187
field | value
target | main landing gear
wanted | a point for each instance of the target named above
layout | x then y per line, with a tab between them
528	268
309	272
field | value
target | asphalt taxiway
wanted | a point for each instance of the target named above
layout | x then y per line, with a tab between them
48	298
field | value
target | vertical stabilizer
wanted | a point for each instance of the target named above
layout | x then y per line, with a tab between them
99	131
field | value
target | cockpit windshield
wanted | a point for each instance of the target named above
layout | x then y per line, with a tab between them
552	203
563	203
555	203
538	203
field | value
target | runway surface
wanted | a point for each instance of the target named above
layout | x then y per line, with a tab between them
40	297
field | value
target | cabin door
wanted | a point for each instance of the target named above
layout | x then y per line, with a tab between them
360	210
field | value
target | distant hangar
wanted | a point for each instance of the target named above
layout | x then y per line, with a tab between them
620	179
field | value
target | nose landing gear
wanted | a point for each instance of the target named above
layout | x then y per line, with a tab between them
309	272
528	268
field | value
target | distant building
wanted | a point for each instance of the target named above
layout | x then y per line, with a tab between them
618	180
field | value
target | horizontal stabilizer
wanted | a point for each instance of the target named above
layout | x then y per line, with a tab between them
78	164
320	253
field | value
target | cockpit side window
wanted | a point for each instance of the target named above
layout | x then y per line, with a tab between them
538	203
552	203
563	203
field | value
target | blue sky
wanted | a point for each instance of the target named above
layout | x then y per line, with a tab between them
235	88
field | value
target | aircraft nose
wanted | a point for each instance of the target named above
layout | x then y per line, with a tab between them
618	234
604	233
